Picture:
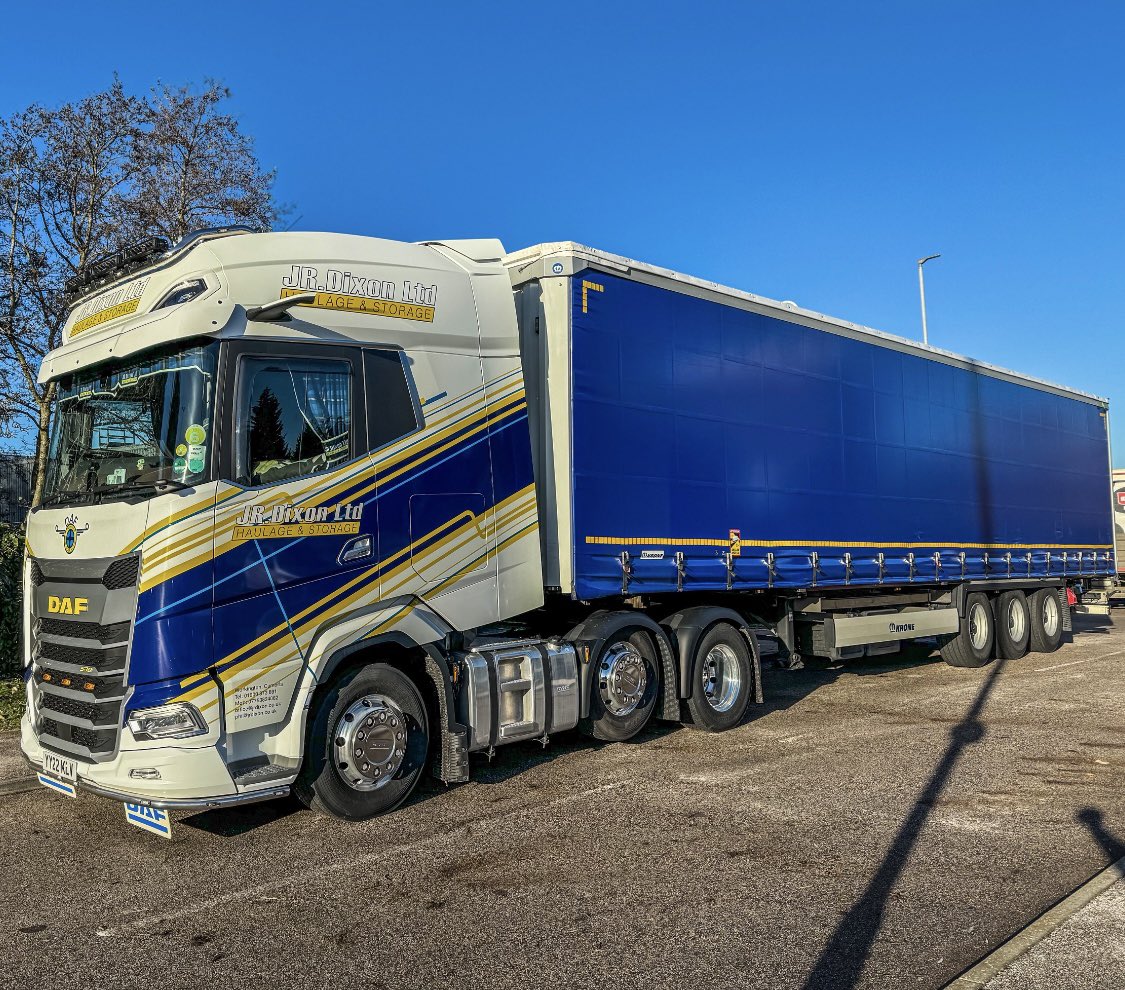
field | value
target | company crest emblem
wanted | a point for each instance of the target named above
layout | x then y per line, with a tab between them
71	533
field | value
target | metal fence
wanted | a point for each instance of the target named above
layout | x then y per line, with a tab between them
15	487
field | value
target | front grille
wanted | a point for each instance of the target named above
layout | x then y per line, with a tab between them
95	740
115	632
111	658
80	667
122	573
100	715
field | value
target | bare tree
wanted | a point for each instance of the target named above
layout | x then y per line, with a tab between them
78	182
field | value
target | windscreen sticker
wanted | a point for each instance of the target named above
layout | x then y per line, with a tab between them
195	457
353	293
181	450
109	306
195	434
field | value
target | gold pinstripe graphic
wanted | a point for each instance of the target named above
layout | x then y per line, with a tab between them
514	506
480	420
335	484
293	655
633	541
449	409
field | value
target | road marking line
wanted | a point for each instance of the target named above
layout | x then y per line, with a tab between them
1075	663
999	959
311	875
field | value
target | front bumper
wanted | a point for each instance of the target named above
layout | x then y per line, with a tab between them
189	777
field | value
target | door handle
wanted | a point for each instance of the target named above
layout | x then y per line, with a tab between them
357	548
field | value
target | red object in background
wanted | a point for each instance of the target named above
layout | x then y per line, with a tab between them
1121	497
1071	597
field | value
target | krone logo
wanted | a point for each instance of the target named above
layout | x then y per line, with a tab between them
71	533
901	627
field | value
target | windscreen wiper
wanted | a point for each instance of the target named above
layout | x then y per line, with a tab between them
61	498
131	487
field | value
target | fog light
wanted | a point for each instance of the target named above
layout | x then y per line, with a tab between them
176	721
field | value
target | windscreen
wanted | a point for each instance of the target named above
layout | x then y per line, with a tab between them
123	427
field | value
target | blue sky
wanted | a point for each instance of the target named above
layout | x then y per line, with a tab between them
806	151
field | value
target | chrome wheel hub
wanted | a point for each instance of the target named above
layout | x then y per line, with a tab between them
369	742
622	679
722	678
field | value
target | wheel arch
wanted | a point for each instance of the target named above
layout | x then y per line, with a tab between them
591	636
408	637
688	626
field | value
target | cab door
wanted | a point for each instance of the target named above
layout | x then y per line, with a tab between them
296	525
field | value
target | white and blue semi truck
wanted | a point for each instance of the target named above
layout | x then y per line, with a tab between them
324	510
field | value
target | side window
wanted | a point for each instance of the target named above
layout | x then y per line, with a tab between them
391	410
295	418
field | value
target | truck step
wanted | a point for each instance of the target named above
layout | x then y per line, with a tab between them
517	729
516	684
247	773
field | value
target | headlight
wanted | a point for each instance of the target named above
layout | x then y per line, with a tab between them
176	721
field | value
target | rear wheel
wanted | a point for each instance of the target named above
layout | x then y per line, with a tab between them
722	679
1045	615
626	683
972	645
366	746
1013	625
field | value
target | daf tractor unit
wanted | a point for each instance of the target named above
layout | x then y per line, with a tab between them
322	511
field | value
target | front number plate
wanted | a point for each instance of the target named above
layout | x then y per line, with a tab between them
61	767
150	819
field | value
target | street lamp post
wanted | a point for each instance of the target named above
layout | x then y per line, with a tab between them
922	293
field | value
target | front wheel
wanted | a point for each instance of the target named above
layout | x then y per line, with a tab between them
366	744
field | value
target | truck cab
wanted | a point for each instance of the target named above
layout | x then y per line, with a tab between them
267	450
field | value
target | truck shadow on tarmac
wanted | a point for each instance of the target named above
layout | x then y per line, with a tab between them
842	960
1094	820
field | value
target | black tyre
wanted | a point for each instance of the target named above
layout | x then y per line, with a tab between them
722	679
624	688
1013	625
972	645
365	746
1046	620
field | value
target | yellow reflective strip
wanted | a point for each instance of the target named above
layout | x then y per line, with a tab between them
693	542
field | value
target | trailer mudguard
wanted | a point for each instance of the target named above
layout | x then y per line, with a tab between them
685	629
590	638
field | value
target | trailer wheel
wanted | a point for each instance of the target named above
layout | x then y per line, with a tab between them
1013	625
624	687
1045	620
366	744
972	645
722	679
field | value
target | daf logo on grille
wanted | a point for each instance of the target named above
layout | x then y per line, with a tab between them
71	533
